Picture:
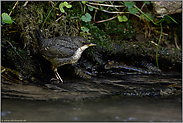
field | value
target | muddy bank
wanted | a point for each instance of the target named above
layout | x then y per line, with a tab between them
72	90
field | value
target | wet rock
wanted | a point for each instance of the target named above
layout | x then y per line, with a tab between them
167	7
72	90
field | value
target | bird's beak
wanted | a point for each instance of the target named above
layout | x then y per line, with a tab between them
92	44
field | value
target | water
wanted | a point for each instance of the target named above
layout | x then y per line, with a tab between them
113	108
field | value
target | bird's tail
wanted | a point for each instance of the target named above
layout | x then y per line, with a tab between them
39	35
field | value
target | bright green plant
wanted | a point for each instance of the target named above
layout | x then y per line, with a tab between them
130	6
6	18
122	18
86	18
84	29
62	5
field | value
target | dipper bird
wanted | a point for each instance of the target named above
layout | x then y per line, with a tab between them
61	50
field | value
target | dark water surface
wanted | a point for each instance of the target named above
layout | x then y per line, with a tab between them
113	108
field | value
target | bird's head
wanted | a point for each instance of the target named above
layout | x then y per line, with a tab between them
82	42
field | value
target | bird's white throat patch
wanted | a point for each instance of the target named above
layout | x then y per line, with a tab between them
79	51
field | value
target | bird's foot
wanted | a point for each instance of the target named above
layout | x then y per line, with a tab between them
55	81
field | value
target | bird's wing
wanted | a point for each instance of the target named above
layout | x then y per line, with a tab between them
60	52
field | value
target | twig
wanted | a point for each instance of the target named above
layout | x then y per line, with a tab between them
175	38
142	6
52	3
25	3
3	70
158	45
105	5
107	11
81	6
13	8
154	43
156	31
59	18
113	6
94	15
113	12
106	19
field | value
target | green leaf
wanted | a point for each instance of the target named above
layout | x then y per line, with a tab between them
84	29
147	2
84	2
61	7
122	18
133	10
6	18
90	8
86	18
129	4
67	5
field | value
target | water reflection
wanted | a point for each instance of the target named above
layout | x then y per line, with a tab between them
4	113
106	109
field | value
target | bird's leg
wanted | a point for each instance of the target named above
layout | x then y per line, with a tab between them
57	75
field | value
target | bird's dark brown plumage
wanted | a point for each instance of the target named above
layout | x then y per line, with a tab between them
62	50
